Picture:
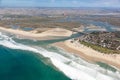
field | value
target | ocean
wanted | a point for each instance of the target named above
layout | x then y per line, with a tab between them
37	60
25	65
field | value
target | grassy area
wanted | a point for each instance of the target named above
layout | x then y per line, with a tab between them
40	22
100	49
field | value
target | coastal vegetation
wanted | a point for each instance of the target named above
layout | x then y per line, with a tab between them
38	22
111	19
46	26
100	49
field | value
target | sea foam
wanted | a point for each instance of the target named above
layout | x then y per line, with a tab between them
74	69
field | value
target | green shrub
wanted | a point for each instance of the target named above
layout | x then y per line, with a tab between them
100	49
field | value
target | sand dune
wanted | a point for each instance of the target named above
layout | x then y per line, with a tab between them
49	34
57	32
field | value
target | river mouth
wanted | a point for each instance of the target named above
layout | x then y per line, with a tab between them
64	63
48	62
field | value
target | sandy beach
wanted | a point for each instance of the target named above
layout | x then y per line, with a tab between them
89	54
46	35
71	46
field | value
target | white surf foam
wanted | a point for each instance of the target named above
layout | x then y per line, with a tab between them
77	70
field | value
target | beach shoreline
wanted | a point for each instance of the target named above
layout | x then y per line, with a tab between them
89	54
71	46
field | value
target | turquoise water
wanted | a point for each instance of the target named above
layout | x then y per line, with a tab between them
23	59
25	65
106	66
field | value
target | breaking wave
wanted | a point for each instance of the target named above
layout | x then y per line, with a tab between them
72	66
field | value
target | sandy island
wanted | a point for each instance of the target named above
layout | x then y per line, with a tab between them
54	33
89	54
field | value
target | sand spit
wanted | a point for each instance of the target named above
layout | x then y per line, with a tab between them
49	34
